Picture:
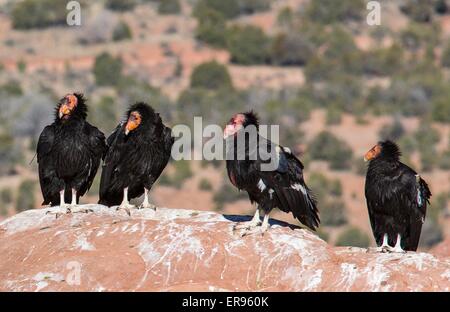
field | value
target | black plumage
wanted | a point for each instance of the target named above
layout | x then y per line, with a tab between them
283	187
138	151
396	197
69	152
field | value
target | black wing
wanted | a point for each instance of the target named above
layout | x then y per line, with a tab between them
160	161
97	148
290	188
422	195
50	184
111	159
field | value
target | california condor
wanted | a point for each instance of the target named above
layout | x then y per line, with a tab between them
138	151
283	186
69	152
397	199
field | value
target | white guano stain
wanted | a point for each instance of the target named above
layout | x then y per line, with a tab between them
82	243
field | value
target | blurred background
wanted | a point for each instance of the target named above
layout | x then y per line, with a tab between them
335	85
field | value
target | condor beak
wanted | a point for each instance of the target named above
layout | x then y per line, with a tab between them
370	155
229	131
63	111
130	126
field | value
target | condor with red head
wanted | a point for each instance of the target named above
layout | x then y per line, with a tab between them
396	197
282	185
138	151
69	152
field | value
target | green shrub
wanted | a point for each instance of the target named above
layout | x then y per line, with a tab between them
212	76
8	154
26	196
6	196
332	213
418	10
444	162
104	114
384	61
334	115
323	234
441	109
290	49
438	205
228	8
325	146
341	58
393	131
121	32
182	171
21	66
120	5
426	138
169	7
211	28
12	88
29	14
328	193
248	45
432	233
134	90
285	17
331	11
446	56
164	179
354	237
107	70
205	185
441	7
253	6
426	135
418	36
227	194
3	210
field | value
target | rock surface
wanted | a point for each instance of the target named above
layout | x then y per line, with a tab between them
185	250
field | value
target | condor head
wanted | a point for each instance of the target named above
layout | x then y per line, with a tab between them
239	122
142	116
385	149
71	105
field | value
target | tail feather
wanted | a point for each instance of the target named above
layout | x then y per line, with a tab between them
301	202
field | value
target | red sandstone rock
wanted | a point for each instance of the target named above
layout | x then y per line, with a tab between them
182	250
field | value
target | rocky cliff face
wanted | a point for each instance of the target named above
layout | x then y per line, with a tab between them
185	250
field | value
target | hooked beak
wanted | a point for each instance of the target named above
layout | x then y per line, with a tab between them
64	110
130	126
229	131
374	152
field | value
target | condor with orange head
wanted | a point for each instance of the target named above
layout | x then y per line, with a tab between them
138	151
69	152
396	197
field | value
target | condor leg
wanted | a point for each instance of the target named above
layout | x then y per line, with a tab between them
385	245
125	205
254	222
74	207
258	229
146	203
398	248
